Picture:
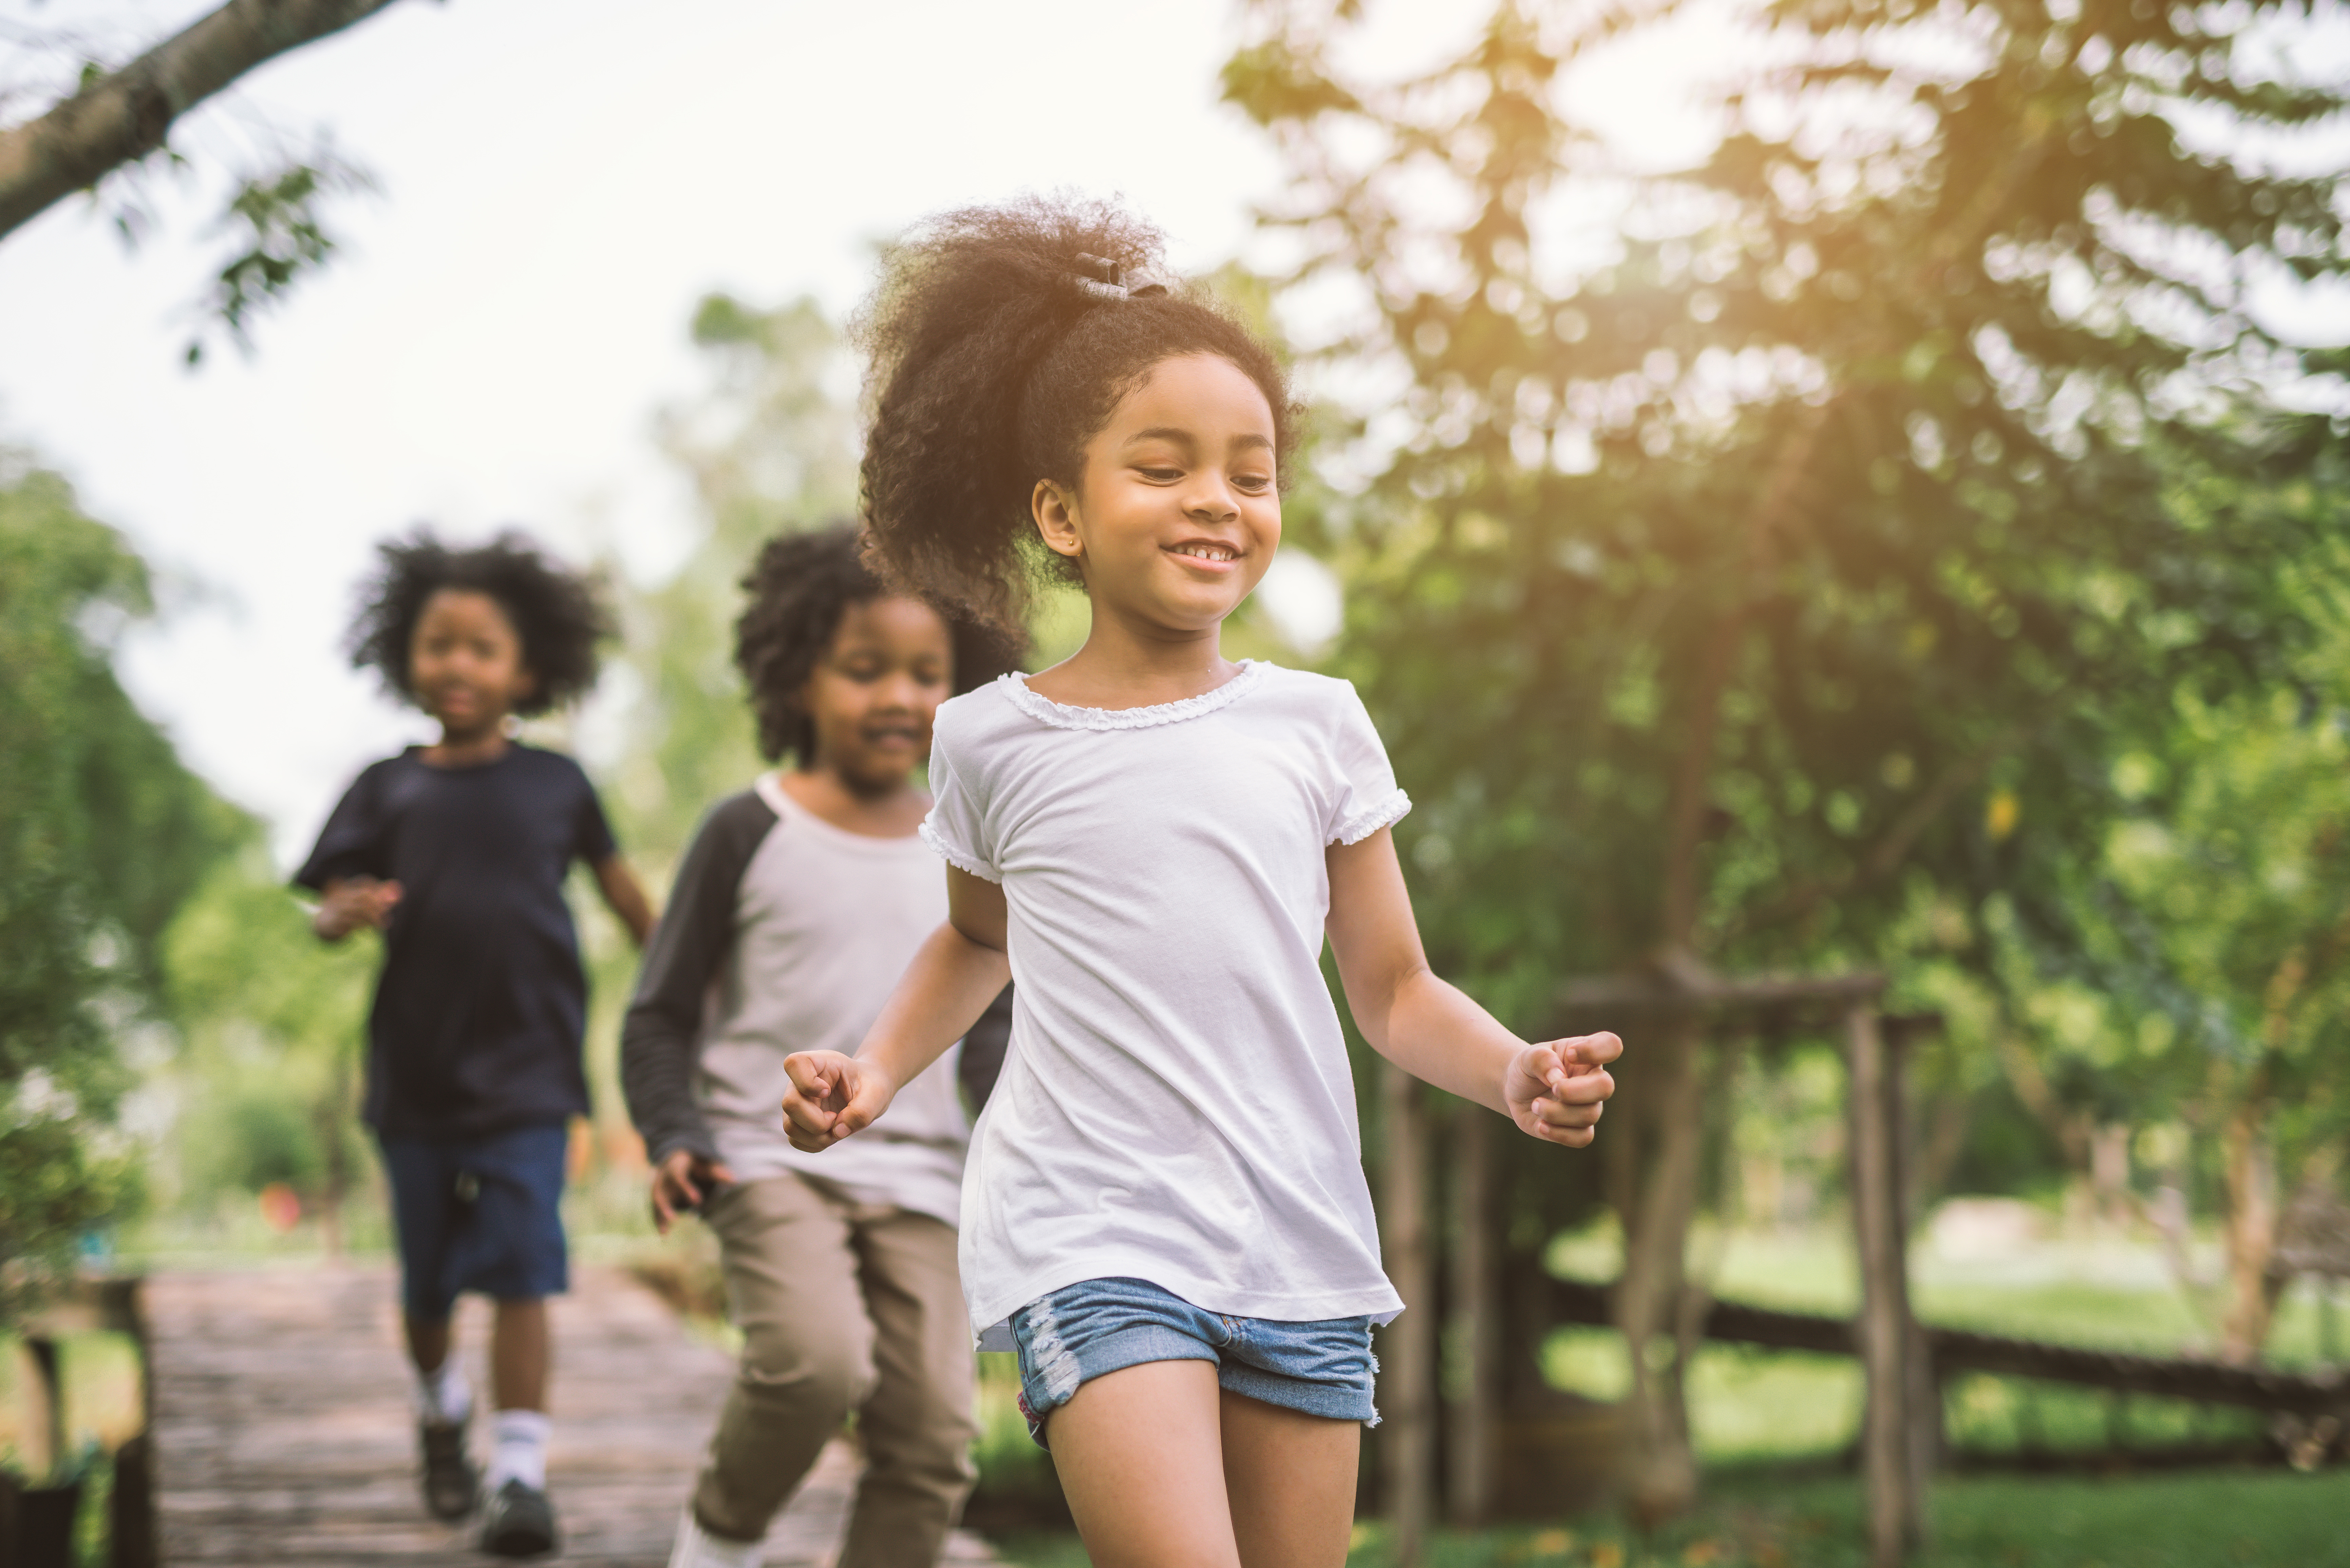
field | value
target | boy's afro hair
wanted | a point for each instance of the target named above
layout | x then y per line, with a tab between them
799	587
559	615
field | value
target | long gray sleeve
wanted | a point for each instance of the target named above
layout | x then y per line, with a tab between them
659	1039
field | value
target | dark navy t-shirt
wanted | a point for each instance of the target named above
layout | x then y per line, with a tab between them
481	1006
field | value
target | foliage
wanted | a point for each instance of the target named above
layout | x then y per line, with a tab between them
280	233
769	447
273	1021
1841	490
1759	563
102	834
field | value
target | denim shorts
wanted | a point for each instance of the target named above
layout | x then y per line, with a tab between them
478	1214
1082	1330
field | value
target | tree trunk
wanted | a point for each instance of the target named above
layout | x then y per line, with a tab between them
1655	1205
2249	1165
123	117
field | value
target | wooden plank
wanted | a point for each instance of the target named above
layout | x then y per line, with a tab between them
1476	1317
1896	1510
1964	1350
283	1430
1406	1383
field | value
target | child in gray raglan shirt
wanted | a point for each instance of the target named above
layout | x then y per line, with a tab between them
799	905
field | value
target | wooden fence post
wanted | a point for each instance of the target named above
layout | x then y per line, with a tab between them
1886	1330
1407	1385
1475	1330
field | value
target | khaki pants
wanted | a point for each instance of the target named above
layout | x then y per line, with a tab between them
843	1306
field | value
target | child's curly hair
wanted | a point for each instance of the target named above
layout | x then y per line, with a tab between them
800	586
559	615
996	353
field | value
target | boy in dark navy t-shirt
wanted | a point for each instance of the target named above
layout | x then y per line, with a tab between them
457	852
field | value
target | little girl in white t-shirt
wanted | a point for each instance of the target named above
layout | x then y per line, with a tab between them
1164	1211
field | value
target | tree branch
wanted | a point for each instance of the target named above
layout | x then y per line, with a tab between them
123	117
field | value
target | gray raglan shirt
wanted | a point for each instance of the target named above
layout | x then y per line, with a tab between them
785	933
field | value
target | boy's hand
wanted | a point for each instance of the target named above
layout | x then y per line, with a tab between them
349	903
1555	1090
832	1095
681	1181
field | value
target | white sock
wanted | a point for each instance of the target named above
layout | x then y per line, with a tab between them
443	1397
697	1548
520	1453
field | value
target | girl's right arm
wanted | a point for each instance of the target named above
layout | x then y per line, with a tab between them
956	974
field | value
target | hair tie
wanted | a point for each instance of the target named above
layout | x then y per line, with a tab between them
1106	279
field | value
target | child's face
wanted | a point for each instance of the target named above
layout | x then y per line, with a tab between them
873	695
1179	513
464	661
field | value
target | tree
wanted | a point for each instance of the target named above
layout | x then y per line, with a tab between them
102	834
2210	985
117	122
1715	590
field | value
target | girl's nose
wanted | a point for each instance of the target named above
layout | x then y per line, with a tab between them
1212	502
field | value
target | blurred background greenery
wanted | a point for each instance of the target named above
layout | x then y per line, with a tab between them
1903	545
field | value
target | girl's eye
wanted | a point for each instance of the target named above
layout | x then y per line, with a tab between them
1161	475
1252	482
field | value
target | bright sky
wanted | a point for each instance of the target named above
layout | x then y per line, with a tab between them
562	180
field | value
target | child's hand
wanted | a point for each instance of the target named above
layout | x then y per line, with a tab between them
681	1181
1555	1090
832	1095
349	903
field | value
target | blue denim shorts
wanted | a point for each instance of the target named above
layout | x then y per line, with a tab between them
1096	1326
478	1214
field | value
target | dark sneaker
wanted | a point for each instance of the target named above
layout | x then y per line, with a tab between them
517	1522
450	1485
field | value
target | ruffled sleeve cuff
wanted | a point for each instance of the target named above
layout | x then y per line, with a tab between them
1385	812
961	861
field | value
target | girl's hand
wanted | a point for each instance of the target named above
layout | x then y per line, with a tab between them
832	1095
681	1181
1555	1090
349	903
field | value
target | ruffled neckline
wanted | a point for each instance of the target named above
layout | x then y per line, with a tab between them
1061	716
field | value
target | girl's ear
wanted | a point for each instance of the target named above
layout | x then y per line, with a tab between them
1056	519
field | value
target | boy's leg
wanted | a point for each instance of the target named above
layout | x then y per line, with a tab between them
519	1354
917	1425
1290	1477
424	1201
807	1348
428	1342
1140	1457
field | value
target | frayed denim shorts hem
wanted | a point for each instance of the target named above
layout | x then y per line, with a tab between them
1095	1327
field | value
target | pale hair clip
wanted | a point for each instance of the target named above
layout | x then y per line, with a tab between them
1106	279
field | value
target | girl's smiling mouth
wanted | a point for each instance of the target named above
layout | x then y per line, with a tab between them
1206	553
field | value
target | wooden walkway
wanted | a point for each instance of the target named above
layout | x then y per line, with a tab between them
283	1432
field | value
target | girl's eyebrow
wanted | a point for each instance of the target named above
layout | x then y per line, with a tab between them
1162	432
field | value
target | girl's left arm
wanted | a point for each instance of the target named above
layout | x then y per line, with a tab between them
625	897
1553	1090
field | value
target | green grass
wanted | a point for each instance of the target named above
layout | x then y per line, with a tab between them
2220	1520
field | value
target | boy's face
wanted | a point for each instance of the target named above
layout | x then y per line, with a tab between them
874	693
464	662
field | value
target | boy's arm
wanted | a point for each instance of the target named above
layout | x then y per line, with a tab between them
659	1035
347	904
625	897
954	975
1431	1030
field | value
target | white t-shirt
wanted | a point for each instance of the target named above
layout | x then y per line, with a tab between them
1176	1104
